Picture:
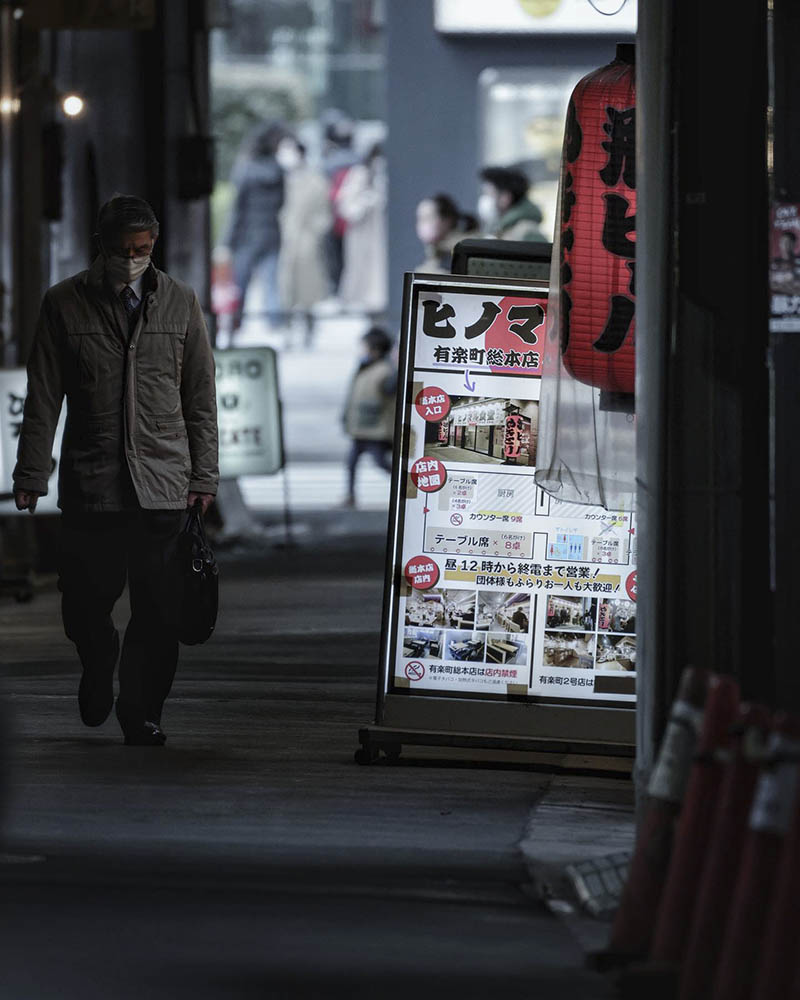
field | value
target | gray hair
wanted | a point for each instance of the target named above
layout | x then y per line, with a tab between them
126	213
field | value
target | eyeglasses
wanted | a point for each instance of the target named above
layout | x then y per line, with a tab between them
135	245
137	251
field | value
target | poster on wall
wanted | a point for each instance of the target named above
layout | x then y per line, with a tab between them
497	591
784	268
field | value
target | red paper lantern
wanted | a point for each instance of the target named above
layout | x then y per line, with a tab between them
598	228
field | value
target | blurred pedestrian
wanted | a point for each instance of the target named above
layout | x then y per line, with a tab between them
253	231
338	156
504	208
440	225
140	446
361	202
305	222
368	416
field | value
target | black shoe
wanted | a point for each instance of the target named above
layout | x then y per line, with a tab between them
96	689
148	736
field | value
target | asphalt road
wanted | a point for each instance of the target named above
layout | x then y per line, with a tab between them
251	857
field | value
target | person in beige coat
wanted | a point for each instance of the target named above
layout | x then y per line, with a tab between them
361	201
368	415
306	219
127	346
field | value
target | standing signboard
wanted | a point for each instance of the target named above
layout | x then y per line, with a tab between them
508	616
248	412
13	389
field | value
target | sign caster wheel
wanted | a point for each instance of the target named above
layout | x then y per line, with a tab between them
366	755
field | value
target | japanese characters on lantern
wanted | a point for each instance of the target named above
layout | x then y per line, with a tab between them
598	229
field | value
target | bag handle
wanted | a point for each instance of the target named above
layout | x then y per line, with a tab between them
195	517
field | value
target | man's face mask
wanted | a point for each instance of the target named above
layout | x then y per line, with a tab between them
126	269
130	258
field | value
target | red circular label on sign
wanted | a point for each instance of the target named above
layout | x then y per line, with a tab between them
415	670
630	586
422	572
432	403
428	474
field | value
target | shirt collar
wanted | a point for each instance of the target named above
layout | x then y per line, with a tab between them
136	285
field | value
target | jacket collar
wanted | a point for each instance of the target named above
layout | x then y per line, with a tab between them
524	209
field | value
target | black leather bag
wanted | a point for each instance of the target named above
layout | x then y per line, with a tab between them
200	581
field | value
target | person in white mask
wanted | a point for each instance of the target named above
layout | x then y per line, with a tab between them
126	345
440	224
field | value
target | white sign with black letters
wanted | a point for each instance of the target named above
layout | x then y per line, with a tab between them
13	389
249	413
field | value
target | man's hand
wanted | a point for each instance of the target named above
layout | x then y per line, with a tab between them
204	498
26	500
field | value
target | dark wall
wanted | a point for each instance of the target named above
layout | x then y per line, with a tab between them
136	85
105	148
433	112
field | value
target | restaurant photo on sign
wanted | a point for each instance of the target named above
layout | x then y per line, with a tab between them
482	429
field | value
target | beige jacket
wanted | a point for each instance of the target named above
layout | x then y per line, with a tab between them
370	403
141	408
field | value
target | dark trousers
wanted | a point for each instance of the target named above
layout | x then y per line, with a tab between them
381	452
246	260
99	552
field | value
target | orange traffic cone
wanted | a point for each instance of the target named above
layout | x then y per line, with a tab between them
779	963
694	824
728	831
770	818
635	918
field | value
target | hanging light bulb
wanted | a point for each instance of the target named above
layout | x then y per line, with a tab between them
73	105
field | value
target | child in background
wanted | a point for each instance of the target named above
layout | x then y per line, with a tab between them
368	416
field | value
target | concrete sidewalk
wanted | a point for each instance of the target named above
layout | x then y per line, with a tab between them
251	856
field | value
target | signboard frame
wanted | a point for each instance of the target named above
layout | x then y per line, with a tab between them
430	717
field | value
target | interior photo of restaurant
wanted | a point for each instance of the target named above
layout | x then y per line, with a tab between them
616	652
504	611
489	430
425	607
423	643
459	608
617	616
569	649
576	613
463	645
506	648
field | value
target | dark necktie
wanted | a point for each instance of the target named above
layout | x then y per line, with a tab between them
130	301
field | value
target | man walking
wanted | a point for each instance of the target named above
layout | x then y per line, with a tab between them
127	345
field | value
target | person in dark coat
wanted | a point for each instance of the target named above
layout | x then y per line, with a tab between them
126	345
253	235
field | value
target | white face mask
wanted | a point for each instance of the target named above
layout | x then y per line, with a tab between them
487	210
288	156
124	270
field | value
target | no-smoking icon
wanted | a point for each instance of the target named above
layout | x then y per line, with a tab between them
415	670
